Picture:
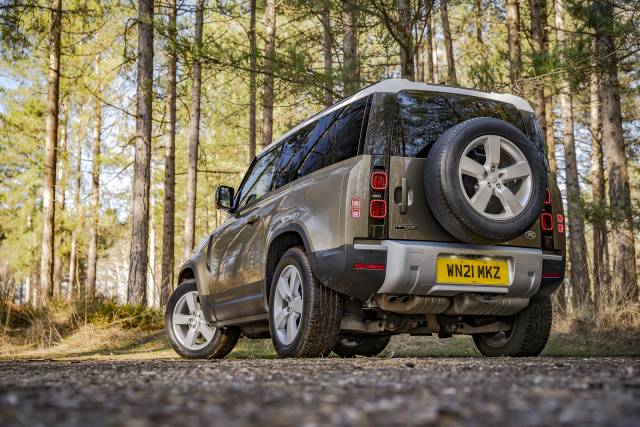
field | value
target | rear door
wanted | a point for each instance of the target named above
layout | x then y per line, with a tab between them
420	118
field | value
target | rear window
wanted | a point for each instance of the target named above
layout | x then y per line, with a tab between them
421	117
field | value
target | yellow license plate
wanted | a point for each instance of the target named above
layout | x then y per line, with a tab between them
472	271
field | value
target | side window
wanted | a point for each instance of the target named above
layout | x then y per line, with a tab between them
340	142
258	181
291	154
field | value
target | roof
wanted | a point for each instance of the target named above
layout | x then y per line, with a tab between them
398	85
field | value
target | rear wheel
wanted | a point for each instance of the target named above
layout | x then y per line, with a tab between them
348	346
304	315
527	338
188	331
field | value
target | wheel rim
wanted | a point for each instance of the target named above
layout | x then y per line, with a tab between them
495	177
288	305
189	325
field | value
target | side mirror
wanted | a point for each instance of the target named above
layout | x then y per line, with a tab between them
224	198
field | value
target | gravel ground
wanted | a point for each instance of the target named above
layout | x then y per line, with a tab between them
358	392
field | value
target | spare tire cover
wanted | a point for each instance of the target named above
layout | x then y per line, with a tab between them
485	181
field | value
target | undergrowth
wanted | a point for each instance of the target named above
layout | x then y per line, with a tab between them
47	326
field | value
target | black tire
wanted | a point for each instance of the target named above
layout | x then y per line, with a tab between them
446	197
360	346
528	337
222	343
321	313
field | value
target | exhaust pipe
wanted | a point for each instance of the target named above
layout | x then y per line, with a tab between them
412	304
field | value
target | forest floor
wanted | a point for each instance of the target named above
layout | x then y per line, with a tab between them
96	342
107	376
386	391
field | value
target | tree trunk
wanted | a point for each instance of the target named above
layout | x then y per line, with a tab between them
624	286
407	65
479	21
92	247
49	183
513	38
600	238
269	56
252	81
168	224
74	286
137	282
430	78
351	60
152	291
539	44
433	42
452	78
61	196
579	277
327	43
550	137
194	136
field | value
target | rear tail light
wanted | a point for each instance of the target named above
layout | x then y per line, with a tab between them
369	266
546	221
378	209
379	181
547	197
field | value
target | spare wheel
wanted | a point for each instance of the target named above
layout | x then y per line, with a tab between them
485	181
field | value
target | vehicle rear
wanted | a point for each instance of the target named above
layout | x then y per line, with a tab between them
460	207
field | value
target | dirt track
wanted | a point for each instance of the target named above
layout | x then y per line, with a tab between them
360	392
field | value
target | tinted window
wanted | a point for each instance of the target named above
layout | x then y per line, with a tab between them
340	142
424	116
296	148
258	180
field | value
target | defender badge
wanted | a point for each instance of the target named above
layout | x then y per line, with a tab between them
530	235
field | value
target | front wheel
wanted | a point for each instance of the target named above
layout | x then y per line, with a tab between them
304	315
187	329
360	346
527	337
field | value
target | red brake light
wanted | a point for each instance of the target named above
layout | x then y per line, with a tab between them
560	219
379	180
546	221
369	266
547	199
378	209
560	228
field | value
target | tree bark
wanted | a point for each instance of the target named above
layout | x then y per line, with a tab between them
407	65
430	68
550	137
624	285
137	282
579	273
168	223
74	286
327	43
49	182
61	201
269	56
433	41
194	136
92	248
351	60
452	78
479	21
513	39
600	238
252	81
539	44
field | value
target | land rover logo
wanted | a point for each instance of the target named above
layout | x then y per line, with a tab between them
530	235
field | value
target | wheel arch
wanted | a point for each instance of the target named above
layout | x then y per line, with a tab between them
283	239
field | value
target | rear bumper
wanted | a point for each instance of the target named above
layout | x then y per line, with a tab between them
411	268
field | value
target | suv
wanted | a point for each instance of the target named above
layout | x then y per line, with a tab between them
405	208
